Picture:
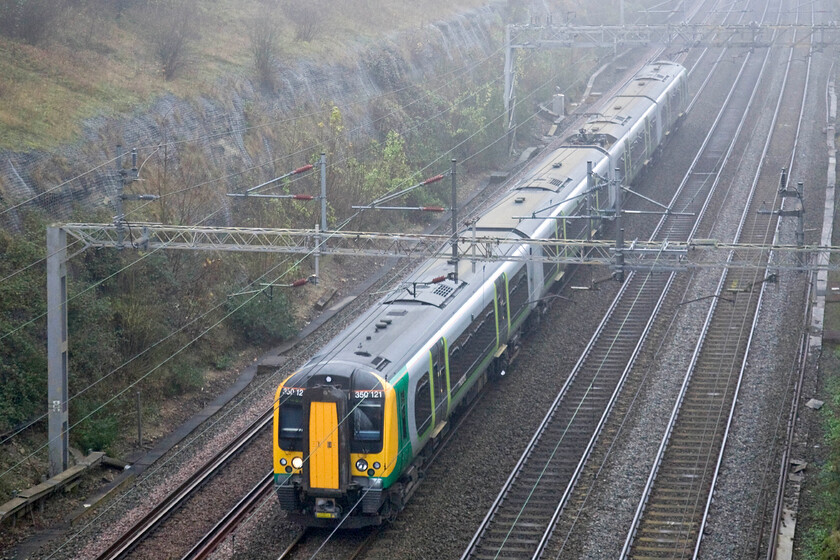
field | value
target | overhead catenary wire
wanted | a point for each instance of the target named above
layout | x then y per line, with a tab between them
181	450
344	223
221	303
154	369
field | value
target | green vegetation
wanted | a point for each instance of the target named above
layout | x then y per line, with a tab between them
22	297
157	322
167	310
822	539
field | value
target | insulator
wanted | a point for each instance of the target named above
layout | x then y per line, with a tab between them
434	179
433	208
303	197
438	280
299	283
302	169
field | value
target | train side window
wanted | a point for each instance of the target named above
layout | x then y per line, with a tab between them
423	404
472	346
457	363
518	292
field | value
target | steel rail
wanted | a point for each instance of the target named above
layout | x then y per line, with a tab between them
761	294
659	231
802	360
231	520
517	474
695	358
784	463
143	528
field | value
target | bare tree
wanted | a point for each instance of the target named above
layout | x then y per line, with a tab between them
307	18
172	26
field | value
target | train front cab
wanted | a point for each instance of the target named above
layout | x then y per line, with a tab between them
335	447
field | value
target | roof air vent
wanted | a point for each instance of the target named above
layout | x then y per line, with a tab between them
443	291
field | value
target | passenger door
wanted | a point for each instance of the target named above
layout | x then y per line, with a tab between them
502	309
440	379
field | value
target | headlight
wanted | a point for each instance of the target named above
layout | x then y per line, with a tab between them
361	465
376	465
283	461
297	462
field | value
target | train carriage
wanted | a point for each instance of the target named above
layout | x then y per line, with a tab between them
353	425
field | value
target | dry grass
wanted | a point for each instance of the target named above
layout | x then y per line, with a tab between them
46	91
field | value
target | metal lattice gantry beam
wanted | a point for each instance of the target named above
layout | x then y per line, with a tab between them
476	246
681	35
749	35
470	246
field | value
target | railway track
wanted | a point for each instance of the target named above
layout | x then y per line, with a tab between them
227	523
357	550
521	520
175	500
232	519
673	510
152	521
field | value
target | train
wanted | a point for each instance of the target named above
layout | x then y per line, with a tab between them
354	426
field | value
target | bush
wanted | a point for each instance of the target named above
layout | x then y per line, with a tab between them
264	36
98	432
262	320
184	378
23	360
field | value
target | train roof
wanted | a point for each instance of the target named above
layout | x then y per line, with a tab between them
375	342
618	115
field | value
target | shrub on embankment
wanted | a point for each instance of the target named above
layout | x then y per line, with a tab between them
387	115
